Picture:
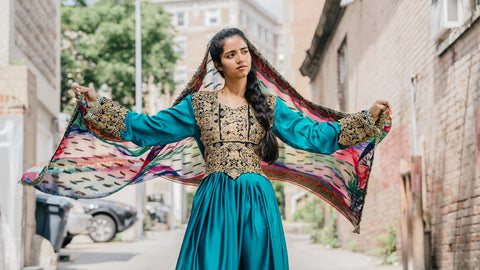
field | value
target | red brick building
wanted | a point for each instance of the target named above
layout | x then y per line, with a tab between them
368	50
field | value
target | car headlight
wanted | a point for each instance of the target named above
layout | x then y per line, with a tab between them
78	208
90	206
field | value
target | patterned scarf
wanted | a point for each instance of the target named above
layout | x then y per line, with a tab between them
86	165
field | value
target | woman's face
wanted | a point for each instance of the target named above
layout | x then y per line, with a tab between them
236	59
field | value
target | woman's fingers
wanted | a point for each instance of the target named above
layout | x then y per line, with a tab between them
380	106
80	88
89	93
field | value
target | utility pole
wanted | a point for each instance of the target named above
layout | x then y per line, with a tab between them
138	108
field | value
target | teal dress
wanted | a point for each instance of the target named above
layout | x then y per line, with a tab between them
235	221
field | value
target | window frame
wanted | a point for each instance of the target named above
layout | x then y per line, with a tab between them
210	14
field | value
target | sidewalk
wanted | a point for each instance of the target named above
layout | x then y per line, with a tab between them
160	251
304	255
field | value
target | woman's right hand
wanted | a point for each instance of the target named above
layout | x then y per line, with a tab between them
89	93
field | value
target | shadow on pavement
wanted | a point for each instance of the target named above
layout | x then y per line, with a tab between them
96	257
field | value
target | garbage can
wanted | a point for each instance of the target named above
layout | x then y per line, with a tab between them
51	215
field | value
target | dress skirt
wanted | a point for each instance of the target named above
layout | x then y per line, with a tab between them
234	224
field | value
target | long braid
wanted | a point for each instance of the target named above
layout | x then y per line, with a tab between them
264	115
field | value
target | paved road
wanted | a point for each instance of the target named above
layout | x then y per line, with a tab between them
160	251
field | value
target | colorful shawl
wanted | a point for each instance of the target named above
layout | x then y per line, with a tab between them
88	165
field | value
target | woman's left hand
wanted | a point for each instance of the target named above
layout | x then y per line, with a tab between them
380	106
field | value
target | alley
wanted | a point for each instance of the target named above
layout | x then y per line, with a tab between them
159	250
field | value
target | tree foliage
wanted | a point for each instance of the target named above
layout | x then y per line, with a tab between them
98	49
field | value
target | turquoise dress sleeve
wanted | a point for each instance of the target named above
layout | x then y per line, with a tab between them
300	133
170	125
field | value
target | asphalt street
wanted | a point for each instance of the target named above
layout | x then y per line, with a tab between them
159	250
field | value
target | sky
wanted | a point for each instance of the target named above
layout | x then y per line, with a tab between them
274	6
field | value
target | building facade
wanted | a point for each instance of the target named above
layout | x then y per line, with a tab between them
298	23
196	21
29	105
425	179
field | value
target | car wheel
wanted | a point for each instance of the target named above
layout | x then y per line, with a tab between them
103	228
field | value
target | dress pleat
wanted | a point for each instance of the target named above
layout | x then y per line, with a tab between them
234	224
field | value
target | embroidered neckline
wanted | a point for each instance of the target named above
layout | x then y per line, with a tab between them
229	107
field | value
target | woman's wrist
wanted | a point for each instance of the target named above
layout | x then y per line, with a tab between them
92	107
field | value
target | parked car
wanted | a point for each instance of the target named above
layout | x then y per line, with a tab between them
78	221
109	218
156	208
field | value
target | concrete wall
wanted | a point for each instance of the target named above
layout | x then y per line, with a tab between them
388	42
18	126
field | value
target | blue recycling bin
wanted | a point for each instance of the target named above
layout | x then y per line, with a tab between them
51	215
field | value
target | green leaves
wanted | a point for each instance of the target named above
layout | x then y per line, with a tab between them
98	49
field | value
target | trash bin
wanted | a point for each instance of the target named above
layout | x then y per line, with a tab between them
51	215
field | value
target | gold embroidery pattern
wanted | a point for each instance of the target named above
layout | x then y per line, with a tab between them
357	128
230	136
233	159
108	117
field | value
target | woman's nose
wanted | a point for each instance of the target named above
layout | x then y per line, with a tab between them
240	58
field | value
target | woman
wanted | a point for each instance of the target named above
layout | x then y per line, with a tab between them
235	221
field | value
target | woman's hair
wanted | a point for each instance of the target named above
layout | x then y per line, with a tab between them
253	94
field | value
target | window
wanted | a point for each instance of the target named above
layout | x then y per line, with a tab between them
213	17
180	19
445	14
181	46
180	76
269	38
453	12
254	29
343	98
260	32
244	20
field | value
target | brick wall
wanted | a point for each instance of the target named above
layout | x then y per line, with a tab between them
388	42
36	36
454	189
299	23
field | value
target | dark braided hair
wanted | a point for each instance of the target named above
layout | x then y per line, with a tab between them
253	94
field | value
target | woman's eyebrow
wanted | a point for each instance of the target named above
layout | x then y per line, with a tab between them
241	49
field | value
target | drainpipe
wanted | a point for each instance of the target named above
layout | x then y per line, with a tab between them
417	261
414	114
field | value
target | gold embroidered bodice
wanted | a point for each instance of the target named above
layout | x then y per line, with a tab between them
231	136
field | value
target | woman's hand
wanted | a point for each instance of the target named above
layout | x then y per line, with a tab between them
89	93
380	106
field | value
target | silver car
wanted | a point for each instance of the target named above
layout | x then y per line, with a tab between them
79	222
